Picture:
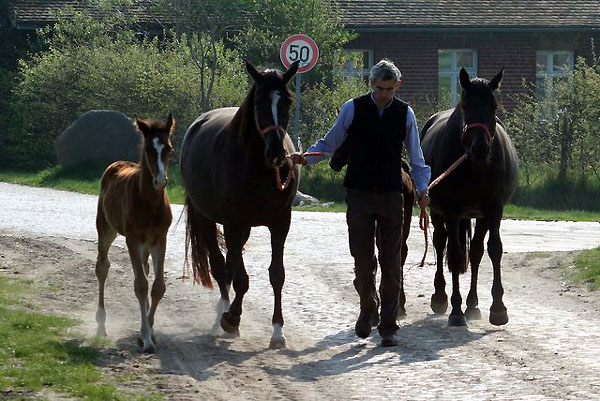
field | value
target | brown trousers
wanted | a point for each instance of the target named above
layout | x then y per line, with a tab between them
367	212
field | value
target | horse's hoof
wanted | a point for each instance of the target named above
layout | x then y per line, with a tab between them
101	332
457	320
498	318
149	348
473	314
277	342
230	327
439	305
216	330
374	319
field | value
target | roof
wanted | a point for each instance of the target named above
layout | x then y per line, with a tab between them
469	14
28	14
364	15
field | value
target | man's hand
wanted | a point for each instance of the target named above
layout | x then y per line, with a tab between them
423	200
298	158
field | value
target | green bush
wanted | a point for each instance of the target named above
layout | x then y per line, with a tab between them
88	66
558	141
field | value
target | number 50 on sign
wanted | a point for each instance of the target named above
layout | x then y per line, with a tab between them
299	47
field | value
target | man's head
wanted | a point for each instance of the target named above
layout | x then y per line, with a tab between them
385	79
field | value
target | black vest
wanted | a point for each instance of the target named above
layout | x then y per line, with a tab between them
375	146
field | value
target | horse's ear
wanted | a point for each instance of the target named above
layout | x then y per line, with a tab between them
495	82
291	71
140	125
170	123
256	76
465	81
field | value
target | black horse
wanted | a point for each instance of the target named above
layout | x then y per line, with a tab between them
232	161
479	188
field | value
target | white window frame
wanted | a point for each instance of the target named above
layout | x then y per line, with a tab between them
551	74
454	71
352	71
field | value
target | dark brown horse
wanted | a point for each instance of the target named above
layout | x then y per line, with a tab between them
231	161
479	188
133	202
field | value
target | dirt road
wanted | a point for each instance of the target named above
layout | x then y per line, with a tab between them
548	350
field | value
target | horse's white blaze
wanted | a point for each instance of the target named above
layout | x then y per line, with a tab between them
160	178
275	96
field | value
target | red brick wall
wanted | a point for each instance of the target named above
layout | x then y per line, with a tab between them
415	54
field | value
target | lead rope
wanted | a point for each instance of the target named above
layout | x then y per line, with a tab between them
424	217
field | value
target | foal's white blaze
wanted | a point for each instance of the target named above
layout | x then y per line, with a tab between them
160	180
275	96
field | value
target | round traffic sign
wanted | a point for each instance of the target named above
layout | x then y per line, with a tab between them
299	47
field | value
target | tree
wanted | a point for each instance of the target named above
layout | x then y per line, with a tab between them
272	21
98	64
562	131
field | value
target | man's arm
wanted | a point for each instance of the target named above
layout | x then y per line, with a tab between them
333	139
420	172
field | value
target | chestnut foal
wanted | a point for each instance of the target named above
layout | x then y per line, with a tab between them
133	202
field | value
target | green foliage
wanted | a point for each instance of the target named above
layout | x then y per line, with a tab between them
320	105
270	22
587	265
90	66
36	355
560	136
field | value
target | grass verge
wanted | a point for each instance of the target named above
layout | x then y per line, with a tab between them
87	181
37	357
587	268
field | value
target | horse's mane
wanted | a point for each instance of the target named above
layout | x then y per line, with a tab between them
244	118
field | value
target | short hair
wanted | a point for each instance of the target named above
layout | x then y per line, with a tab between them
385	70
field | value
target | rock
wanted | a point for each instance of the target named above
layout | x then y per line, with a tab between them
303	199
98	137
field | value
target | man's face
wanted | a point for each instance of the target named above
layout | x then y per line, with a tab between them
383	90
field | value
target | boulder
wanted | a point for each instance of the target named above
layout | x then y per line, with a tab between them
304	199
99	137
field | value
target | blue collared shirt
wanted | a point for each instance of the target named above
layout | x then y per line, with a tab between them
419	171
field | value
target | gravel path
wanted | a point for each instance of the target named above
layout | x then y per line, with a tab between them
548	350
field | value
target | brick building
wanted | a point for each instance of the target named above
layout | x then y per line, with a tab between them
430	40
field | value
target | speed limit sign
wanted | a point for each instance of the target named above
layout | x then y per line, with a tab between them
299	47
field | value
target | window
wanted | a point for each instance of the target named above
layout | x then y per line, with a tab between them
359	62
551	66
450	61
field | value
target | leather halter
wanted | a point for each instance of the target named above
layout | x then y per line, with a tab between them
277	128
468	127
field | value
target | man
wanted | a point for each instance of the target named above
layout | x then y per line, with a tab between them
376	125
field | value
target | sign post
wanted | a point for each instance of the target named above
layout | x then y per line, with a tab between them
303	48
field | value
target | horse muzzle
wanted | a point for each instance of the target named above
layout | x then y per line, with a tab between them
160	183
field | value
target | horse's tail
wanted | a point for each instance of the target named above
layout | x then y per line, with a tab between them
195	237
